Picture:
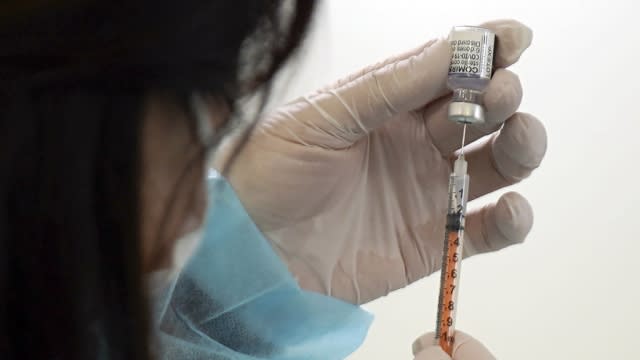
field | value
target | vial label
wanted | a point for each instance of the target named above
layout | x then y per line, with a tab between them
471	52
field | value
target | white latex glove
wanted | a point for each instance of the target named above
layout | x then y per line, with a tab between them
464	348
350	183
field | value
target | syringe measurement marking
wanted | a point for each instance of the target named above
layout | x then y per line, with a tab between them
452	256
446	318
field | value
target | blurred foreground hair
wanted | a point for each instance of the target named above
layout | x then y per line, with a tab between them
74	76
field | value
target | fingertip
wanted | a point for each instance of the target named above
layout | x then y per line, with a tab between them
432	353
537	135
502	97
512	39
426	348
468	348
520	147
498	225
423	342
513	217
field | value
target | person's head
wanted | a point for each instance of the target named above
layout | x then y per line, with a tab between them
102	157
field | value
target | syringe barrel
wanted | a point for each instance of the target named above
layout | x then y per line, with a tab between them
452	256
458	185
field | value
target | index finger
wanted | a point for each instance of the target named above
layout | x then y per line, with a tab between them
512	39
353	107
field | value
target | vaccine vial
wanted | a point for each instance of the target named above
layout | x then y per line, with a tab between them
472	51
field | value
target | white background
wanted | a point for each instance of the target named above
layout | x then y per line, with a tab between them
570	292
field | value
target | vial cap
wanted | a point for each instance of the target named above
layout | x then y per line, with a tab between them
466	113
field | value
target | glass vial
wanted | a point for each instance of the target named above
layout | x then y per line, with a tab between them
472	51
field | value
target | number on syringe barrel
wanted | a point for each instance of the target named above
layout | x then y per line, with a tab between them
447	338
459	205
456	241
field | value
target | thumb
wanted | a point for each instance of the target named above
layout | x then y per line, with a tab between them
426	348
339	115
432	353
464	348
468	348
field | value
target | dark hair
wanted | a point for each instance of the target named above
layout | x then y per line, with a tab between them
74	76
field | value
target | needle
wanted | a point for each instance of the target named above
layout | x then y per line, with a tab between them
464	135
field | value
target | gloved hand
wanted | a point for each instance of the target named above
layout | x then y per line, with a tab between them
350	183
464	348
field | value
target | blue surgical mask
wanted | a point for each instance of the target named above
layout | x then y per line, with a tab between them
236	299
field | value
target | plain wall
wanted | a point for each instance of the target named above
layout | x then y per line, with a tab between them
570	292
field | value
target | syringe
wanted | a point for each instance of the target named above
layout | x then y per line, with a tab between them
452	253
472	51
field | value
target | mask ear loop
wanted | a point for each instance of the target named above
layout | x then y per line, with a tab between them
208	135
204	127
186	245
